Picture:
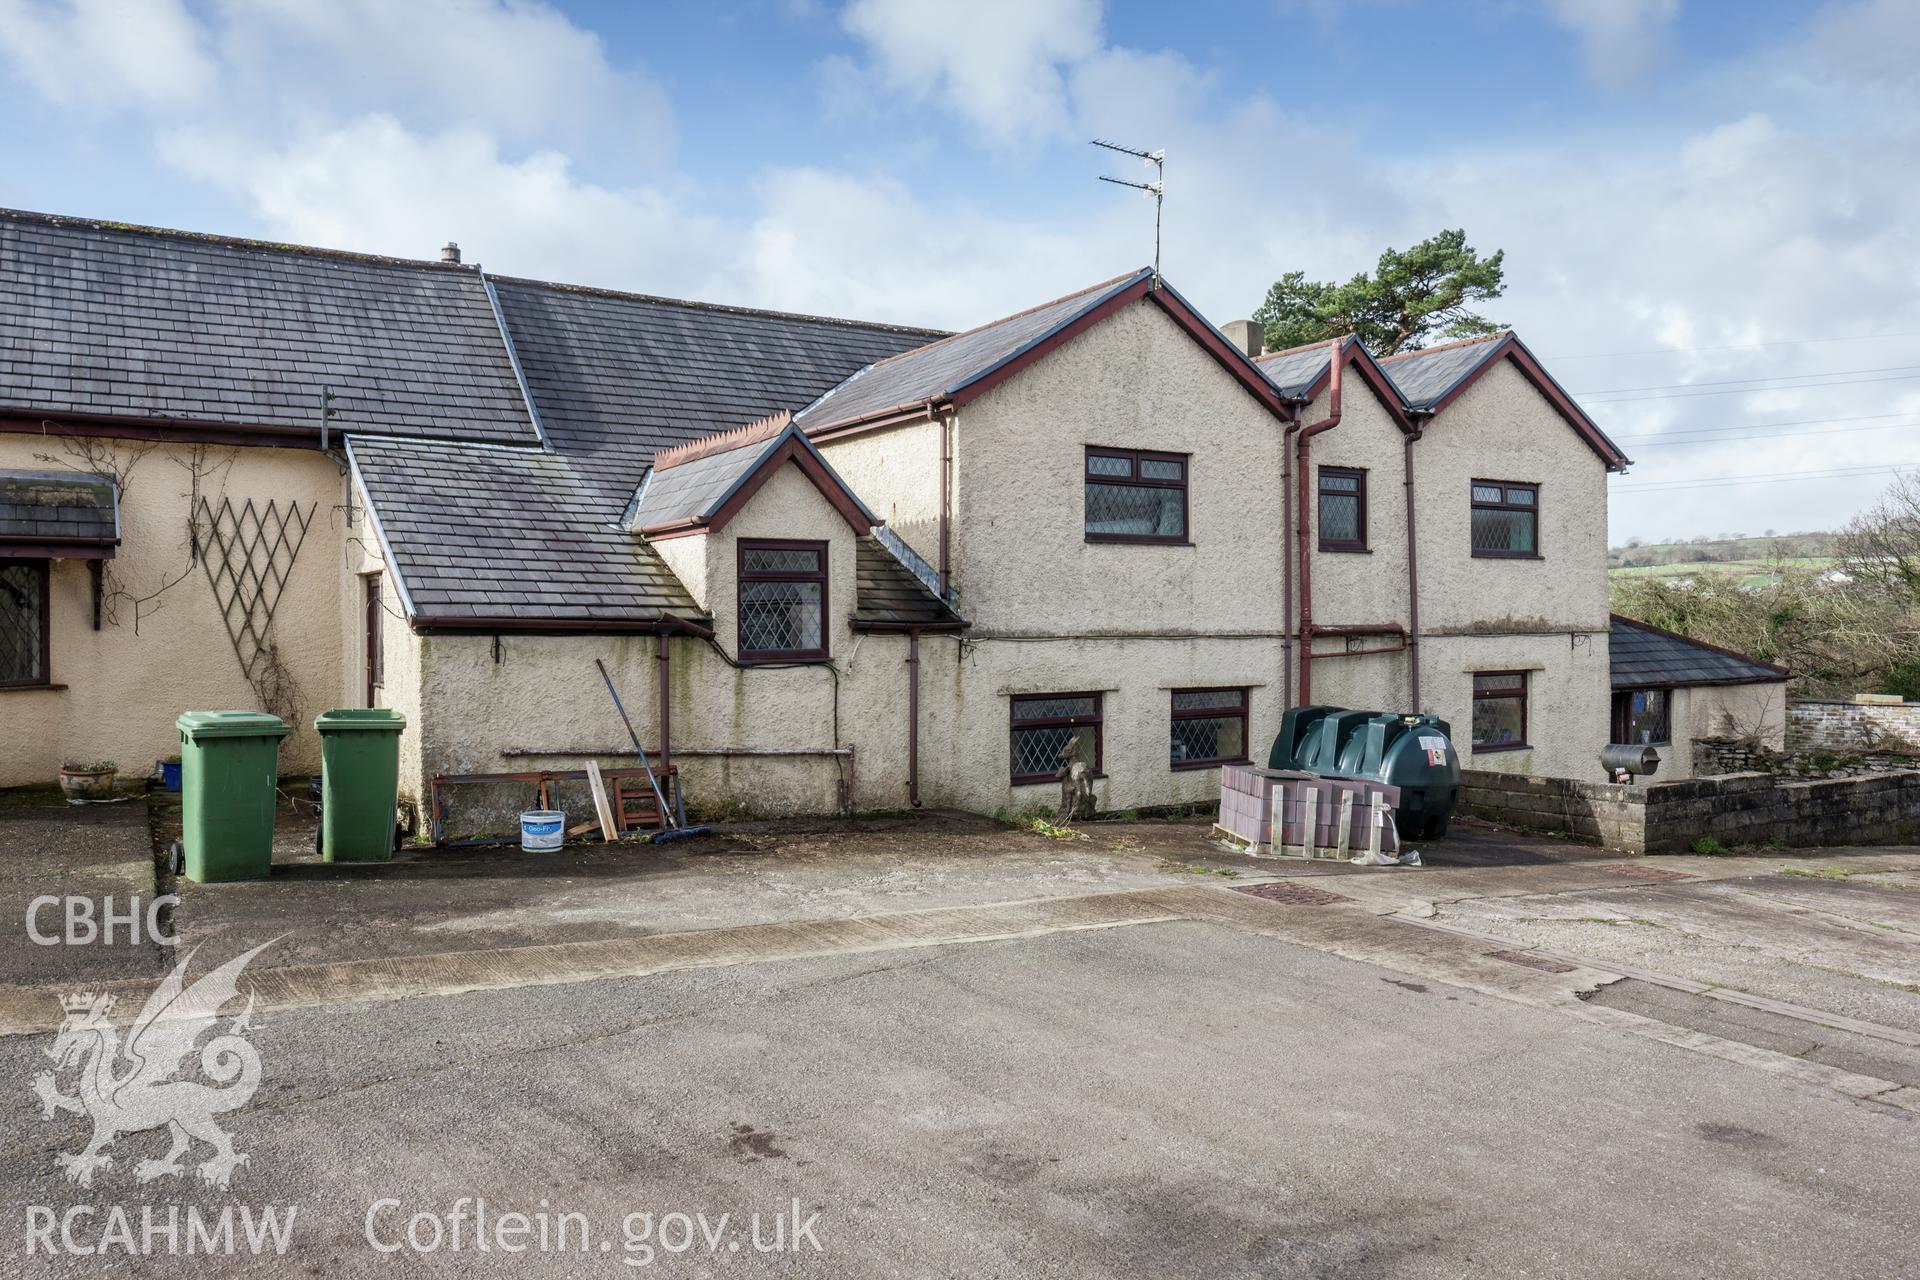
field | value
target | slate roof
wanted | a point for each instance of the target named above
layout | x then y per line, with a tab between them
1645	657
618	376
694	488
938	369
889	594
59	506
99	318
488	533
1295	370
1424	376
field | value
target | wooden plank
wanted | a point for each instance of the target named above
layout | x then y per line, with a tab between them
609	829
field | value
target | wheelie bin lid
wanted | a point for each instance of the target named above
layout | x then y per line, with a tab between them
363	719
199	725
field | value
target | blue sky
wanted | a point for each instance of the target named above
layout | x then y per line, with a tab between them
1689	193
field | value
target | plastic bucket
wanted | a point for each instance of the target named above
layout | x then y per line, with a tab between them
542	830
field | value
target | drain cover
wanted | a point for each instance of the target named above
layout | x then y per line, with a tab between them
1523	958
1291	892
1644	873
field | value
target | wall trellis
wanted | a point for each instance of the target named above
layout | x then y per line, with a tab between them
251	550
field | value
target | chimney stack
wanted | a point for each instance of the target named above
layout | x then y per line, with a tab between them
1246	335
450	253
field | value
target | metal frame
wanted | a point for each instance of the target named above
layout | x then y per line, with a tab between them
1134	480
1240	712
1475	504
748	657
1015	724
1357	474
543	779
1524	697
46	632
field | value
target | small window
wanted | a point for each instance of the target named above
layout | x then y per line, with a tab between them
1051	729
1500	711
23	622
1343	509
1209	728
1641	717
1506	519
376	640
1136	497
783	601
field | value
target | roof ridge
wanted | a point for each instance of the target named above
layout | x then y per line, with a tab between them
964	333
429	264
1447	346
724	441
1343	339
601	291
231	242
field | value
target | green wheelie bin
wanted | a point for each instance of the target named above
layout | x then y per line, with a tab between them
229	765
359	782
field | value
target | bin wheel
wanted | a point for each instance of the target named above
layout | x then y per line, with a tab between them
177	859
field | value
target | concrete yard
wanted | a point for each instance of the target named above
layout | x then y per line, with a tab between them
962	1047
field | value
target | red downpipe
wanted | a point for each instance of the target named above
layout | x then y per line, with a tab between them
1302	450
1413	583
666	711
1286	563
913	717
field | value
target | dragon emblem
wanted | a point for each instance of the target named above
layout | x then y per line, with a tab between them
133	1089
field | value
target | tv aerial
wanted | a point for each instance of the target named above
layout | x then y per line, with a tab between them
1156	188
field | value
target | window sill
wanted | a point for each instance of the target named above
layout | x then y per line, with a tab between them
1345	551
1048	780
32	688
1191	766
1137	542
1508	555
784	660
1479	750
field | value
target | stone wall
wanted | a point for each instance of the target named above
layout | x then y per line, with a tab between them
1852	726
1720	755
1740	809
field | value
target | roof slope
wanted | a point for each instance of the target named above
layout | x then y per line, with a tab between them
619	376
1645	656
700	485
478	534
58	507
1428	374
890	596
939	369
97	318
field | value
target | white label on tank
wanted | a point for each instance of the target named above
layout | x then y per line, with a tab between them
1432	742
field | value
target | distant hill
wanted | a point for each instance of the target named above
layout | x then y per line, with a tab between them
1753	560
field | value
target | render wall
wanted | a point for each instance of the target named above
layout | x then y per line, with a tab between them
752	740
118	690
1756	713
896	472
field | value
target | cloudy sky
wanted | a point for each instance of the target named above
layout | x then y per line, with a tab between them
1708	206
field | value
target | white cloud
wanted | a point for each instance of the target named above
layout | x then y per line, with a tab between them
104	52
999	64
1621	39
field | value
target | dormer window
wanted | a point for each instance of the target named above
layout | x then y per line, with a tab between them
783	600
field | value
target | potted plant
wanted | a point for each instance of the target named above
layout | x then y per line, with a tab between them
88	779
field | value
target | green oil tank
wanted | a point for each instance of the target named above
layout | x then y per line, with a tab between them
1412	752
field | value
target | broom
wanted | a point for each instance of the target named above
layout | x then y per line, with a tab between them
670	827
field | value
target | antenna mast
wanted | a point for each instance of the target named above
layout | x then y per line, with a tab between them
1156	188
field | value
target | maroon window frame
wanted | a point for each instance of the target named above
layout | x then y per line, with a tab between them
744	577
1137	476
1037	719
1623	716
1359	495
1491	686
1528	506
43	570
1221	710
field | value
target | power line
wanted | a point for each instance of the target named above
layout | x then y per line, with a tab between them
1737	346
1730	382
1750	391
1712	437
1777	477
1755	426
